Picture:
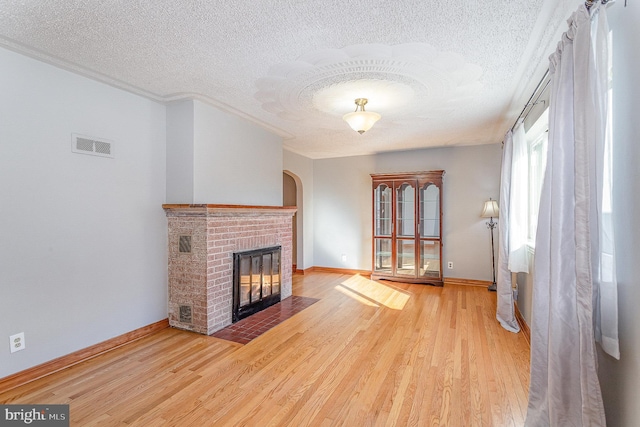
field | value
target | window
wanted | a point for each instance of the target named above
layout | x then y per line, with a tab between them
537	137
607	237
608	144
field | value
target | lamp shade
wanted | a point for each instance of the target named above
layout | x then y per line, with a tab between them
490	209
361	121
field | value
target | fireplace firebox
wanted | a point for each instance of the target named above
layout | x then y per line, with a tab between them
256	281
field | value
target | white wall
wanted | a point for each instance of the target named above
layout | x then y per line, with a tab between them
342	205
302	168
215	157
620	380
342	212
83	238
180	152
235	162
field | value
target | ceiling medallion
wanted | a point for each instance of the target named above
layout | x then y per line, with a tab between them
400	81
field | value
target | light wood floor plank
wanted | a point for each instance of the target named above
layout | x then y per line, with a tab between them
367	354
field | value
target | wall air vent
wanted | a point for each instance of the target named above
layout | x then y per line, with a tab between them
184	245
82	144
185	314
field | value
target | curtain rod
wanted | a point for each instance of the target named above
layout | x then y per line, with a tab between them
590	3
537	93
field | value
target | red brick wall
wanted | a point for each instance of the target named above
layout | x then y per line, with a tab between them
203	278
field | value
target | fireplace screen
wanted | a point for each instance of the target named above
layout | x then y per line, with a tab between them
256	281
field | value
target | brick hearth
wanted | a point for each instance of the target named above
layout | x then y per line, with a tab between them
201	280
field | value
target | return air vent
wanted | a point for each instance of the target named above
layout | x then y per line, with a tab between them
185	314
93	146
184	244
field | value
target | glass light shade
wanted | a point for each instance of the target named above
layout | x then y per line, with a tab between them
361	121
490	209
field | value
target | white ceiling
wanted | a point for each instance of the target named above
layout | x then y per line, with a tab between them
455	72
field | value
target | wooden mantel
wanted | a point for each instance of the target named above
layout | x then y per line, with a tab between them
219	206
219	209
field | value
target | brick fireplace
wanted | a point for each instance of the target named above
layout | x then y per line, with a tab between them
202	241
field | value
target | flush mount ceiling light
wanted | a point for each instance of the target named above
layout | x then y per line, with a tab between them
360	120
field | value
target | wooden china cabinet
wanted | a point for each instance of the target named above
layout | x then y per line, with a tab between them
407	227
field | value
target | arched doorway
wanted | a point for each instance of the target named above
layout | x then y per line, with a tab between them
292	196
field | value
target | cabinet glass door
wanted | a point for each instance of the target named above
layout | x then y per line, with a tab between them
382	258
429	226
382	205
405	230
405	210
382	213
430	258
406	258
429	211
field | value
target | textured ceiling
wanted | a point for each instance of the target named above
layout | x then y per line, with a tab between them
453	72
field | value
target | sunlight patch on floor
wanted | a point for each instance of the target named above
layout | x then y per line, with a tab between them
355	296
373	293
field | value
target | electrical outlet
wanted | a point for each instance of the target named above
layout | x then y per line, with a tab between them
344	258
450	265
16	342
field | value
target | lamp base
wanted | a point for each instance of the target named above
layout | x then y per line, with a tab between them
493	287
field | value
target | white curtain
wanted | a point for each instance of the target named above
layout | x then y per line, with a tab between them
512	244
518	204
605	296
564	388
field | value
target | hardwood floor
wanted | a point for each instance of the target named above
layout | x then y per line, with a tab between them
367	354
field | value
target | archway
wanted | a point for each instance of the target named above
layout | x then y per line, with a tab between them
292	196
